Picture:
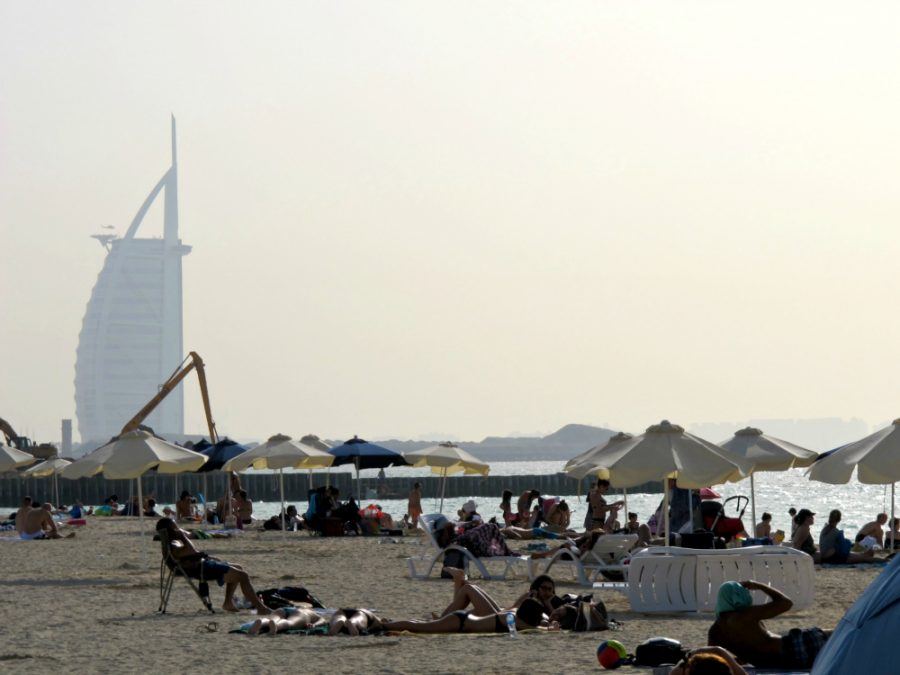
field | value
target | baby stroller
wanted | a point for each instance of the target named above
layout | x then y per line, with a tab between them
721	525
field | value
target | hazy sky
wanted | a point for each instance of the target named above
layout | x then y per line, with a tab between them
464	219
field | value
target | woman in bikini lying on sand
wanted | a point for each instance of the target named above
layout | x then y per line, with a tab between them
485	615
342	622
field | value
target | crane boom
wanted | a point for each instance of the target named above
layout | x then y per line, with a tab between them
11	436
191	362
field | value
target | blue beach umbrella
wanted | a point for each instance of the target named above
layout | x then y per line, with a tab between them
860	642
219	453
365	455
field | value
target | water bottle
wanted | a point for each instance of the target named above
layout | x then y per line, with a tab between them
511	623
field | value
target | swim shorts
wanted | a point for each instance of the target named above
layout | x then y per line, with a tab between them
801	645
215	570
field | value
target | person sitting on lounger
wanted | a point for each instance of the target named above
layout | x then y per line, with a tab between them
523	507
834	548
558	517
469	516
739	628
285	619
708	661
38	524
226	574
873	529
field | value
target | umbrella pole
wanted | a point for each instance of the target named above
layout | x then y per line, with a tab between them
443	487
309	471
281	486
56	492
358	489
141	521
892	518
752	505
666	509
625	502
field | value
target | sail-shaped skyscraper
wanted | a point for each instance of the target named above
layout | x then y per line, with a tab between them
131	335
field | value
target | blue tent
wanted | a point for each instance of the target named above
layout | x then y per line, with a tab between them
365	455
863	638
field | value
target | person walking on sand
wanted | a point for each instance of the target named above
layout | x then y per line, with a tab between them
414	505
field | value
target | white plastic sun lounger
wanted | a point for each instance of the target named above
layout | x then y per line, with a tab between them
421	566
609	554
674	579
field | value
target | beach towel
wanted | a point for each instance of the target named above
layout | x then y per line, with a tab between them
317	630
485	541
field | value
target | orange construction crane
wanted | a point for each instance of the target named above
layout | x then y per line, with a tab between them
191	362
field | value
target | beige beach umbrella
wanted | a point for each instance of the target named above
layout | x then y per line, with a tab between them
766	453
131	455
12	458
446	459
314	441
280	452
50	467
666	451
876	459
583	465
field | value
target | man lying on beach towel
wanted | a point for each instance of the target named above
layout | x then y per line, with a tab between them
739	628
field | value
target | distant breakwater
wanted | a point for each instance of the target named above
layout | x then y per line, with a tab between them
264	487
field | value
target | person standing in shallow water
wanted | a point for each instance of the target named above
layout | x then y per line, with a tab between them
414	505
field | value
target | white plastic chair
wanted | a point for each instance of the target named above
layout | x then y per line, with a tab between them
609	554
428	560
674	579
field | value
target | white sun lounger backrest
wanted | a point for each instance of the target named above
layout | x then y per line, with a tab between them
426	522
676	579
610	549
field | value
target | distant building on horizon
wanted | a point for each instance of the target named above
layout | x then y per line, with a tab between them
131	335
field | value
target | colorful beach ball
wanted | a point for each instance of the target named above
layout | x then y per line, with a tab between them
611	654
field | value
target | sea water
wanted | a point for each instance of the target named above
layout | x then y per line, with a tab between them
776	492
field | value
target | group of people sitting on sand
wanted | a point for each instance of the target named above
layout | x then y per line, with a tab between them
35	521
834	547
